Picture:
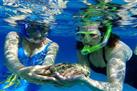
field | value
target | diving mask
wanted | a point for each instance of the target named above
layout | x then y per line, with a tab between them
88	48
35	32
89	34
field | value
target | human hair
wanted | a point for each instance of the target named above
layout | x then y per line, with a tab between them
113	37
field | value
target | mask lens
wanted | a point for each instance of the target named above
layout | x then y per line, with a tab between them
80	35
93	35
36	31
44	31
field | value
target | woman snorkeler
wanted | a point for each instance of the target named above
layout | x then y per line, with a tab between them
29	51
102	51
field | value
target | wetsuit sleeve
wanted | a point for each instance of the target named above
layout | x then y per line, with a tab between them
11	52
115	73
51	54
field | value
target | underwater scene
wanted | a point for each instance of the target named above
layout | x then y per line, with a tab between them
68	45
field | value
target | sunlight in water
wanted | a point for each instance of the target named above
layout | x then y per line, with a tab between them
40	10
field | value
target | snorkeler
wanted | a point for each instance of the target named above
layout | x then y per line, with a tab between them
100	50
29	51
109	60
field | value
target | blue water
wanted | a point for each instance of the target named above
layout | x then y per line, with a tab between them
63	34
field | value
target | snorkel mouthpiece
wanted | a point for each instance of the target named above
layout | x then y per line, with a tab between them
89	49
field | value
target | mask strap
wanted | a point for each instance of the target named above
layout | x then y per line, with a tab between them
88	49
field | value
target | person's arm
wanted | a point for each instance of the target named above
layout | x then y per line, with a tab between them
51	54
11	52
115	68
12	62
115	73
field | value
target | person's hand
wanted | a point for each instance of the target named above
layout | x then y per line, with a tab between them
69	80
36	74
69	77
